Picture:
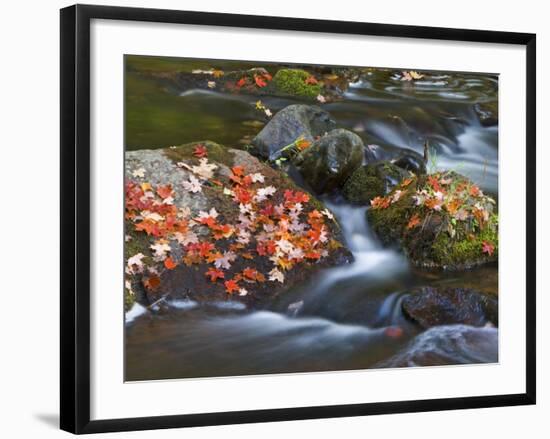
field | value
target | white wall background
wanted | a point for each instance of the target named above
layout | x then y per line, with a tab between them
29	252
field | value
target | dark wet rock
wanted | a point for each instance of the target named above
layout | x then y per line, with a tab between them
331	160
487	112
373	180
188	281
454	230
429	307
288	125
410	160
405	158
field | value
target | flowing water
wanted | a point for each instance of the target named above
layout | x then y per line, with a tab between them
347	317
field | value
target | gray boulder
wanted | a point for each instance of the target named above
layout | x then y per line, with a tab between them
288	125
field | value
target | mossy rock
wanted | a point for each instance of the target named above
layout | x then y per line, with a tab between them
293	82
372	180
453	226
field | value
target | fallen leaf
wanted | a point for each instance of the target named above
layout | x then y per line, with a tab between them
413	222
214	274
231	286
151	283
192	185
138	173
488	248
276	275
200	151
170	264
311	80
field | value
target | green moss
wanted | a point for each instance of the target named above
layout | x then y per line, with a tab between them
389	223
373	180
293	82
216	152
363	186
467	250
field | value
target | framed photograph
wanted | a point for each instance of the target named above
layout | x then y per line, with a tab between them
273	218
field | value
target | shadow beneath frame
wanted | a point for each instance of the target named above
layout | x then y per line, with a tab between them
49	419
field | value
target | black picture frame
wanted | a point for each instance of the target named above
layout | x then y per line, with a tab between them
75	217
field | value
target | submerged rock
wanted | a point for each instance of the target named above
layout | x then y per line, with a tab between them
429	307
453	344
289	124
371	181
200	215
330	161
442	220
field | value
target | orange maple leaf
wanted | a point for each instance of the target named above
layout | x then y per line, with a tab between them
214	274
414	221
169	263
164	191
311	80
231	286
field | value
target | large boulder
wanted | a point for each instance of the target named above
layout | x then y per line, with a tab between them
371	181
442	220
429	307
330	160
208	223
288	125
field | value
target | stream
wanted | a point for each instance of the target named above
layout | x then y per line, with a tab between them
343	318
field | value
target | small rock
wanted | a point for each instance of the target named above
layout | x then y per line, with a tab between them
288	125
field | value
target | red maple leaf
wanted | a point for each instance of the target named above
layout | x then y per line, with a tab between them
214	274
488	248
200	151
260	82
434	182
241	82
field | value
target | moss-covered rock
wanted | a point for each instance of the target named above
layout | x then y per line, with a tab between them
372	180
441	220
295	82
329	162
